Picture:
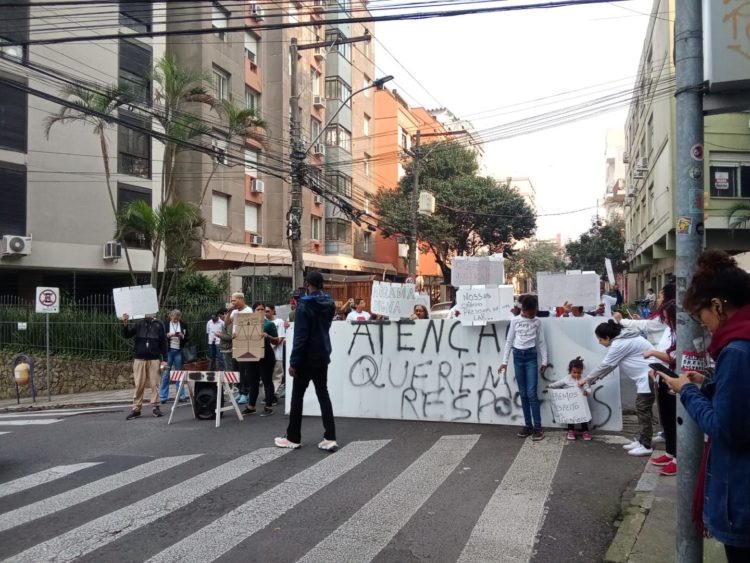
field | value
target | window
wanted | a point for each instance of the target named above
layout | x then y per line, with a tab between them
366	165
251	162
11	52
221	83
13	117
137	16
315	179
135	68
401	171
12	199
251	218
337	89
344	49
650	135
314	129
14	28
315	82
220	210
730	174
127	194
338	230
650	203
219	20
366	204
220	151
366	125
251	47
366	46
315	228
133	145
337	136
366	81
252	99
366	243
339	183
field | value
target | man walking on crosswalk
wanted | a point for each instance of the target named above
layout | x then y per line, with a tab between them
311	354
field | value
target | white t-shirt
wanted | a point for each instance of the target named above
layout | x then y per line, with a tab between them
234	313
174	341
281	331
354	316
211	328
523	334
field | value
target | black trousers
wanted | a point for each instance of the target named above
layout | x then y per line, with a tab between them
244	369
667	405
737	554
262	370
584	426
319	377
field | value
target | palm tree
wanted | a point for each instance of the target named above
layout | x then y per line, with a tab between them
95	108
175	227
240	122
739	216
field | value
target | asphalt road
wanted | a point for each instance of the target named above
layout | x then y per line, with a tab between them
93	487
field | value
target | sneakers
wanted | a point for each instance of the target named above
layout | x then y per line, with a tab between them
132	415
284	443
274	402
241	399
640	451
658	437
267	411
157	412
249	410
538	434
328	445
661	460
587	436
525	432
669	470
281	391
632	445
571	435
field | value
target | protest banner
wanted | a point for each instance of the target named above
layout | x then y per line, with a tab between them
610	272
581	290
394	300
569	406
437	370
136	301
248	344
479	304
282	312
477	270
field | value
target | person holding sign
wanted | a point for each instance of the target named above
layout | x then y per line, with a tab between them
525	335
150	350
575	370
359	313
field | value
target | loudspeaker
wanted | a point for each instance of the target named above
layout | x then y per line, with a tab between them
204	403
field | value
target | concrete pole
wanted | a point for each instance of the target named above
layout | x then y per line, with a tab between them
294	218
689	242
414	209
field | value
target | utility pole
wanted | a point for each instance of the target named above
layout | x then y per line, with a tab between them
294	218
688	49
414	209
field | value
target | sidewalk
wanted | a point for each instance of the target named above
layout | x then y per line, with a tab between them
122	396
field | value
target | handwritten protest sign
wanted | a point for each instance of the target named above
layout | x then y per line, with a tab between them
610	271
479	304
137	301
248	345
569	406
395	300
477	270
581	290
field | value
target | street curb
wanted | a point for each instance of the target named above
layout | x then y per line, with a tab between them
634	516
56	406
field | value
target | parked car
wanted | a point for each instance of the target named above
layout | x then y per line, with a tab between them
440	310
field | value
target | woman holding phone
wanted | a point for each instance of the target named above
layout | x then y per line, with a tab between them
719	298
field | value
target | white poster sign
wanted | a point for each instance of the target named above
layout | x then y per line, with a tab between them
437	370
610	271
282	312
47	300
479	304
569	406
477	270
394	300
581	290
137	301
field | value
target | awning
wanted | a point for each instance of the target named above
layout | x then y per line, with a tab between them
346	263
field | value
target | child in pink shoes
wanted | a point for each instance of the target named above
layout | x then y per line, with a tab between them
575	371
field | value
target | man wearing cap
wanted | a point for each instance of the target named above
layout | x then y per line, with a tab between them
311	354
150	354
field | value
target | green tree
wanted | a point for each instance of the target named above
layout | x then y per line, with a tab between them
602	240
473	213
527	262
739	216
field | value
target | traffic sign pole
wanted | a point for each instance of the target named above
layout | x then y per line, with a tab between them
48	302
49	387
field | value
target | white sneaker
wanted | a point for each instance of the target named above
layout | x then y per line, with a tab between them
640	451
284	443
631	445
658	437
328	445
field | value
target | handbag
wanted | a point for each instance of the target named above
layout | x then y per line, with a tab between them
189	353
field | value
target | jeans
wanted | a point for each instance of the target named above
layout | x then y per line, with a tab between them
525	364
319	376
262	370
174	360
216	357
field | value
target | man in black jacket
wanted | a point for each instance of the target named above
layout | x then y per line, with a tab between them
311	354
150	355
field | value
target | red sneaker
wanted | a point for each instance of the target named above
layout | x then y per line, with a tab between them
571	435
661	460
587	436
670	469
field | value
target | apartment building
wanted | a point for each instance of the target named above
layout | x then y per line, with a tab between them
614	181
56	217
650	165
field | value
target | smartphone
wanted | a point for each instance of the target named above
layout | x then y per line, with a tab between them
661	368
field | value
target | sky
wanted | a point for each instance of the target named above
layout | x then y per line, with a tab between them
494	69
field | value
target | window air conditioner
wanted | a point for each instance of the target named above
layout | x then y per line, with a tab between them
319	53
256	239
318	199
319	5
14	245
258	186
639	174
642	163
112	250
256	11
319	149
319	102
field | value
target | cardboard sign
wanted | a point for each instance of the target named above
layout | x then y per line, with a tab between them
610	271
477	270
137	301
479	304
569	406
581	290
248	345
394	300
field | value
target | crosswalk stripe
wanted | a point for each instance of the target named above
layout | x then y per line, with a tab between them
370	529
23	483
86	538
58	412
215	539
1	433
84	493
29	421
506	530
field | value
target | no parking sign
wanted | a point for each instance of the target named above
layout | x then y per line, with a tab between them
47	299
